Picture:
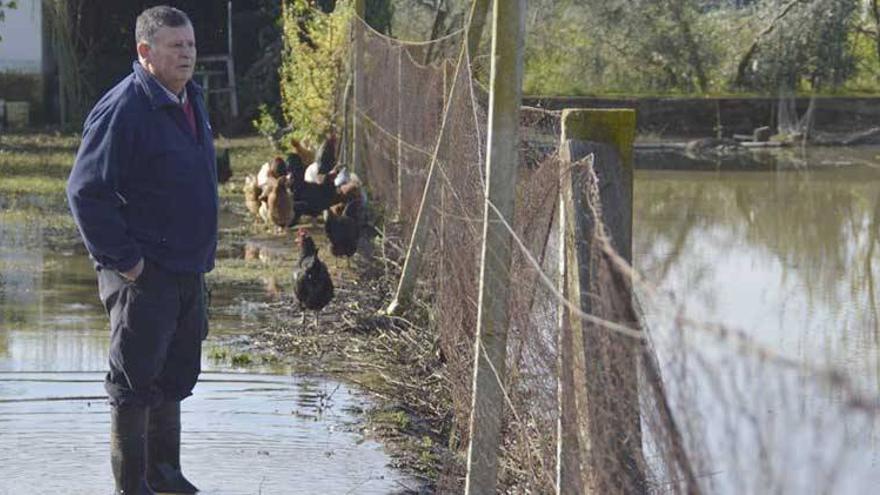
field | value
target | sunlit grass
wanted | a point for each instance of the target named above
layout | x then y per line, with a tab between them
26	184
40	141
36	163
232	270
32	217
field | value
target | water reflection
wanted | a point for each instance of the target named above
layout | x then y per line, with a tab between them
789	258
243	434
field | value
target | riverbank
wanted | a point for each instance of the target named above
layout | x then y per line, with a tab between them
696	117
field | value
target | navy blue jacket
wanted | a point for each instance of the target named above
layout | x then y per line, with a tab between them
142	184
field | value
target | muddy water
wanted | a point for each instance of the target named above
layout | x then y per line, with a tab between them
245	431
789	256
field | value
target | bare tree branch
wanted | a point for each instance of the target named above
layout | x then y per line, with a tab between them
747	57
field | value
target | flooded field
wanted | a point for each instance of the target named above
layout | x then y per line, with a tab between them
243	434
784	253
252	429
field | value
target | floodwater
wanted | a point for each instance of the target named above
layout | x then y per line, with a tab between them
245	431
787	254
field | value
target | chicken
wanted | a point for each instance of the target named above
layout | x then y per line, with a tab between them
326	161
312	199
343	228
304	153
271	170
224	169
279	210
312	283
295	168
344	177
349	188
312	176
252	194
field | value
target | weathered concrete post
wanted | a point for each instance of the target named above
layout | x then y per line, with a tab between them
600	443
615	128
493	317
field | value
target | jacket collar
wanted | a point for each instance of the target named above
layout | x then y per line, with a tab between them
156	94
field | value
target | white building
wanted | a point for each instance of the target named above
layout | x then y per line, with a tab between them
23	60
21	49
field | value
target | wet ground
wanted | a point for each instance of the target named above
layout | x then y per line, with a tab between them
243	434
254	424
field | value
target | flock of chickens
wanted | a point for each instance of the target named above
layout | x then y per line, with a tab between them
284	190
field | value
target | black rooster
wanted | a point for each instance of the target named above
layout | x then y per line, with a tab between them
327	154
296	168
324	162
311	199
224	170
312	283
344	229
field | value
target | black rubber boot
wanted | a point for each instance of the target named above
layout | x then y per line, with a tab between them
128	425
163	451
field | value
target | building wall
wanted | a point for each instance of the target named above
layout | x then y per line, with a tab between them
22	64
21	49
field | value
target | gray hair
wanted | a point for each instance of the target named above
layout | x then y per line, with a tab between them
157	17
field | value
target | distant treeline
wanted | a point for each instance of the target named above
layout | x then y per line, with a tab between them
767	47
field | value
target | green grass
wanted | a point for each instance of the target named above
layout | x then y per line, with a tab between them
40	141
36	163
30	217
34	185
236	270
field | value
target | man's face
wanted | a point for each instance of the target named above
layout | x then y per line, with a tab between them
171	57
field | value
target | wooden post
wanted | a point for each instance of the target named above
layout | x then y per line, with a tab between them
230	65
399	209
602	389
490	352
569	475
357	129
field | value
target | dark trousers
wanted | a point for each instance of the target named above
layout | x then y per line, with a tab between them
157	325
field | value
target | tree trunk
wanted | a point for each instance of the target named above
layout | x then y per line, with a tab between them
439	21
875	13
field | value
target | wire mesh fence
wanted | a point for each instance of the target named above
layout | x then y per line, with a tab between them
660	401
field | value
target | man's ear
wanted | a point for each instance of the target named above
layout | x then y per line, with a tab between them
143	50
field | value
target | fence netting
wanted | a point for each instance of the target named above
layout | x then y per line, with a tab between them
674	404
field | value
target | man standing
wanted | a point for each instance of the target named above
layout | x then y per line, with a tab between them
143	192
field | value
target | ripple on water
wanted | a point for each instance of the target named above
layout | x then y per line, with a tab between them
265	438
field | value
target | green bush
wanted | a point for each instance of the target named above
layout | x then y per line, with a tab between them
313	68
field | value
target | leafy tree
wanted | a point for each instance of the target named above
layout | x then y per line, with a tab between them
312	72
805	46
